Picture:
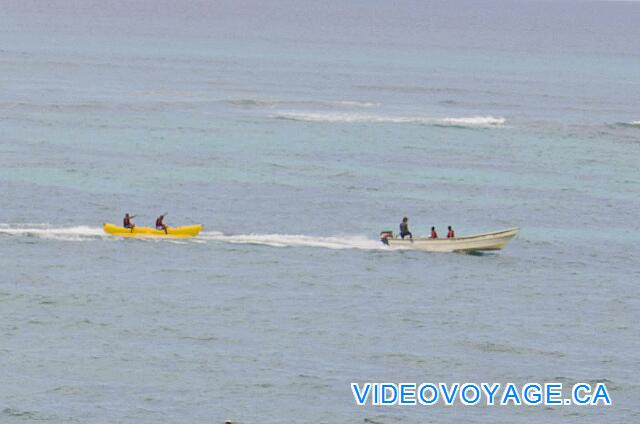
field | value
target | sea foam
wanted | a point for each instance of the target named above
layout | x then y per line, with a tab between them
340	117
296	240
88	233
46	231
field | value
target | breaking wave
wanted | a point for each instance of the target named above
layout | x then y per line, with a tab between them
333	117
473	121
352	103
634	124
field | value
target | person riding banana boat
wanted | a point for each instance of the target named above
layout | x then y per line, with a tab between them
129	229
160	223
127	221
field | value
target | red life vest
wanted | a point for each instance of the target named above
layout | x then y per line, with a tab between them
451	234
434	234
126	222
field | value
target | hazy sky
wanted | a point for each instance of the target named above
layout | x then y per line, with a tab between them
554	25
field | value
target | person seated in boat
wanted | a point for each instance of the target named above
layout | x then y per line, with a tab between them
160	224
433	232
127	223
451	233
404	228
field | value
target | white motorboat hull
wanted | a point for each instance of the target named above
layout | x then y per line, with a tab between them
475	243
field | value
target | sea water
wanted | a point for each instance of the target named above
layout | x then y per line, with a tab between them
295	132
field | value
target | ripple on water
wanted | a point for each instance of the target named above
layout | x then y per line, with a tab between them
25	415
491	347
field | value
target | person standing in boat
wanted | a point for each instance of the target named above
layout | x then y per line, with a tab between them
433	233
160	224
127	223
404	228
451	233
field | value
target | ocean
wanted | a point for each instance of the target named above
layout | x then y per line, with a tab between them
295	132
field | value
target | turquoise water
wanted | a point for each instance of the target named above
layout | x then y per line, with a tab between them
295	132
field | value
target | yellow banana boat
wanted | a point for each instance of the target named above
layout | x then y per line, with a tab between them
179	232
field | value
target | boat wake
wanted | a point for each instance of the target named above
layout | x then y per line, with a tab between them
87	233
46	231
338	117
296	240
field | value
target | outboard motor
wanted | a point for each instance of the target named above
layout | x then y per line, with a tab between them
384	235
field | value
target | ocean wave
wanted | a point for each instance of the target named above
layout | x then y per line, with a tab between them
352	103
472	121
408	89
57	107
333	117
633	124
417	89
260	103
250	103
